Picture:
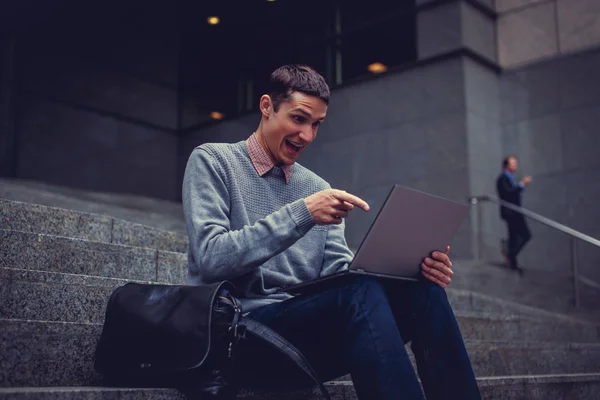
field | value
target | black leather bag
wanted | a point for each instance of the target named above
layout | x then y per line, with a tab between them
180	336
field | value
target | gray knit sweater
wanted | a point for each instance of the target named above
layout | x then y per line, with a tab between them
255	231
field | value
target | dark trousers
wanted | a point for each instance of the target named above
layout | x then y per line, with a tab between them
518	236
359	326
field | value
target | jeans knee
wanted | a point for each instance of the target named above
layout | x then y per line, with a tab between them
434	296
366	283
365	289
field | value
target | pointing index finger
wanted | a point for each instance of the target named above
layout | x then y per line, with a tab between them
352	199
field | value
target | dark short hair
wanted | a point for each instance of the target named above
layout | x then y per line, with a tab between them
292	78
507	160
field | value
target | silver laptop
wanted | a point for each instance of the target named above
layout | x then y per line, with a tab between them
409	226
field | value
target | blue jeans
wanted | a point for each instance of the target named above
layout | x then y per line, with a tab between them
359	326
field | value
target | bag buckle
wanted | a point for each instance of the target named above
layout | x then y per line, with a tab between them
239	331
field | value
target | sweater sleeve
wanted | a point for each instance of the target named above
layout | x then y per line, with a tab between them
219	252
337	256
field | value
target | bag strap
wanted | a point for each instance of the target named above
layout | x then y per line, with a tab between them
277	341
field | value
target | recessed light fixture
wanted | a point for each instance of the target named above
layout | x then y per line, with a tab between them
377	68
271	1
217	115
213	20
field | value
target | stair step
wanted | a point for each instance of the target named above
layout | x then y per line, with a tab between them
33	218
34	353
494	358
488	326
51	296
541	387
48	296
31	251
468	301
61	354
537	387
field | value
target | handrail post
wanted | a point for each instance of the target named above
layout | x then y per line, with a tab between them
575	266
479	233
477	242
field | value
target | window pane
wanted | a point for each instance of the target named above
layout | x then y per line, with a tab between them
392	43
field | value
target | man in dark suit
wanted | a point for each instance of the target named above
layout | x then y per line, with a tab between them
510	191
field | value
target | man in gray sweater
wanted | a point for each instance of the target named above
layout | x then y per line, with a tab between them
258	218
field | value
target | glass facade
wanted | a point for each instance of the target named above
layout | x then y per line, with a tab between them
225	67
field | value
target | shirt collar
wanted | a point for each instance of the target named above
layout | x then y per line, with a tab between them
261	160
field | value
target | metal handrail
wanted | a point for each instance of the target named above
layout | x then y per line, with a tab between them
575	235
553	224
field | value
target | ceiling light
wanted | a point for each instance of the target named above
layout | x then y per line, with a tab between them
217	115
213	20
270	1
377	68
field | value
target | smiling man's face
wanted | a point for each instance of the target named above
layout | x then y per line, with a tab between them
285	133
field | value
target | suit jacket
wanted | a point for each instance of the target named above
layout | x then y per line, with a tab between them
509	192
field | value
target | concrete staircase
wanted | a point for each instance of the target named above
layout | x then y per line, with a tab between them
58	267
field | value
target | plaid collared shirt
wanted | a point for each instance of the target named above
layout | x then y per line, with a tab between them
261	160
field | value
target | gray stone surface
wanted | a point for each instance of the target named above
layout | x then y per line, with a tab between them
47	354
490	326
553	387
56	353
579	23
439	30
508	5
501	358
156	213
579	84
478	31
469	301
539	145
527	35
540	286
138	235
544	387
583	192
531	92
88	393
21	250
171	268
579	138
45	296
35	218
482	89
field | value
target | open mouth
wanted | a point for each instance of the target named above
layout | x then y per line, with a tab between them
293	147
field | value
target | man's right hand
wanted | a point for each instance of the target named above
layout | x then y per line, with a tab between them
526	180
331	205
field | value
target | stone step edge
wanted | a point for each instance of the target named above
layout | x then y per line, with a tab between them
527	317
83	213
55	326
482	382
110	281
89	215
117	245
93	278
530	310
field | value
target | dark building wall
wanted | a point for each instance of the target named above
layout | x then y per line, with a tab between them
551	121
7	103
97	109
406	128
